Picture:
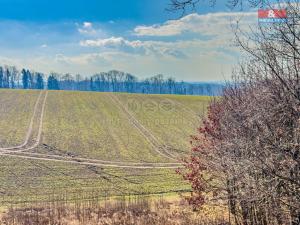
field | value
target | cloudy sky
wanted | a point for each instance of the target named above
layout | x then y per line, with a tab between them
136	36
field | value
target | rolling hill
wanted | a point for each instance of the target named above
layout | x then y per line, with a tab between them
71	144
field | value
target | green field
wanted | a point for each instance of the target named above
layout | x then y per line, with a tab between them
110	144
16	108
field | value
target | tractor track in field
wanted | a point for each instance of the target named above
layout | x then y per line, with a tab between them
36	139
187	109
40	128
160	149
89	162
29	131
22	151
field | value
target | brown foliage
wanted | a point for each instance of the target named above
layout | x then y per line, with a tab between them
246	152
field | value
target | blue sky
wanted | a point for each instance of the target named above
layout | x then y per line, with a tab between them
136	36
143	11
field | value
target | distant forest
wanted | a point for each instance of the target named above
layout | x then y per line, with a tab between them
112	81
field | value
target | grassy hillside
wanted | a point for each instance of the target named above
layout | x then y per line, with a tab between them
103	143
16	109
171	118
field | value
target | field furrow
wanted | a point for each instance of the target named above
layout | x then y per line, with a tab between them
167	117
103	143
91	125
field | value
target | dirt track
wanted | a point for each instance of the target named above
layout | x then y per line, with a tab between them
29	131
22	150
160	149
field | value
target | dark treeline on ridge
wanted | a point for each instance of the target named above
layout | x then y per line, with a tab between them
112	81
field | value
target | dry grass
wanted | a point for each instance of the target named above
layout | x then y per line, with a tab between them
137	211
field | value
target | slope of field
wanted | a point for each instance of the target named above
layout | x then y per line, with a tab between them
104	143
170	118
91	125
16	110
31	180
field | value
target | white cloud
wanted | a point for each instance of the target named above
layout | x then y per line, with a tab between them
88	28
196	47
107	42
82	59
87	24
195	44
137	47
180	49
207	24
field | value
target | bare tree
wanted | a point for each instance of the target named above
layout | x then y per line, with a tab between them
185	6
247	151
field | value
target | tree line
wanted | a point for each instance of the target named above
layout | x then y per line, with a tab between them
112	81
